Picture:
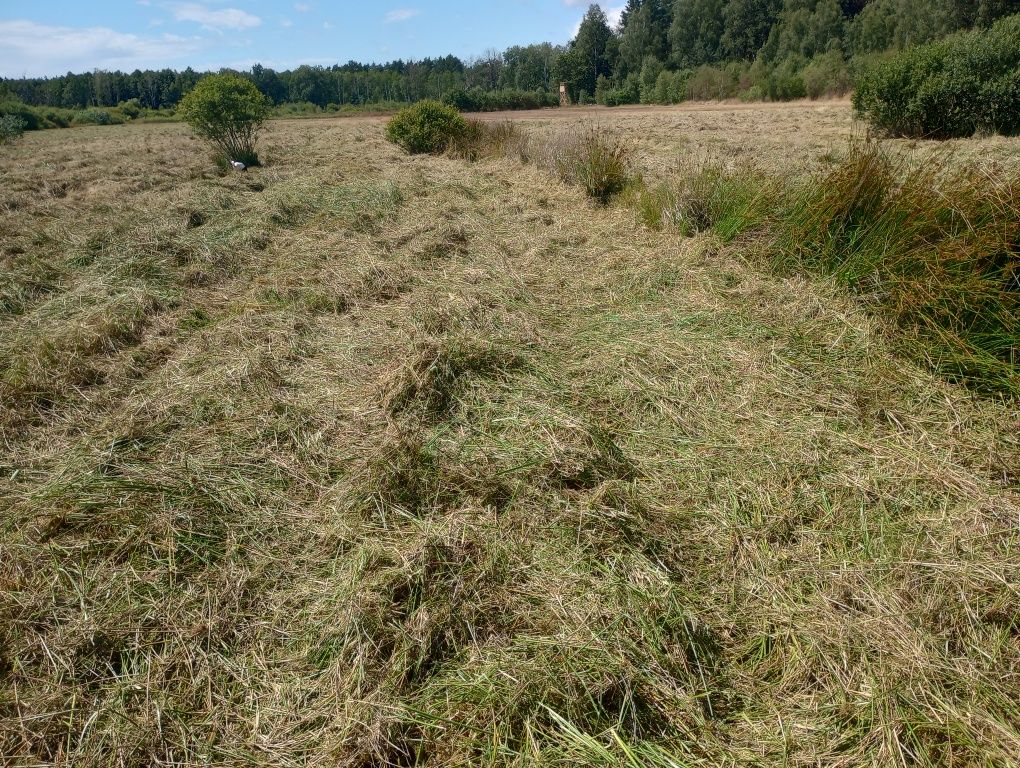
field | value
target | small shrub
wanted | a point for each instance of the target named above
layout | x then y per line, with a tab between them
826	76
11	129
478	100
463	100
228	111
93	117
707	83
131	109
57	118
514	100
786	81
23	112
1002	102
610	94
671	87
297	108
753	93
426	127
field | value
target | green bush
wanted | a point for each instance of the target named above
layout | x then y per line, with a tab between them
786	81
228	111
1002	101
426	127
651	69
297	108
11	128
826	76
131	108
671	87
948	89
93	117
23	112
478	100
466	100
753	93
166	115
54	117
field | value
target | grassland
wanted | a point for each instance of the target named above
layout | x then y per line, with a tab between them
364	459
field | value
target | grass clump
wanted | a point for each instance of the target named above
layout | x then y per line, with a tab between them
432	379
94	117
428	127
590	157
487	140
935	246
705	195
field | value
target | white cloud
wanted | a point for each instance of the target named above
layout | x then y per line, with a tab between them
302	7
286	23
226	18
613	13
402	14
28	48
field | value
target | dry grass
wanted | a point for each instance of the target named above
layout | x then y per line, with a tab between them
364	459
487	140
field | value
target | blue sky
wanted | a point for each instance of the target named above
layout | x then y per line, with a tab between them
51	37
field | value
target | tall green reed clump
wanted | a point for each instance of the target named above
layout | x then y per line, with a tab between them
935	244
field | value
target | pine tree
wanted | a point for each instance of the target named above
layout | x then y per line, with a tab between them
632	7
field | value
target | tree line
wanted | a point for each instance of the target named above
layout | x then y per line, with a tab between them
521	68
661	51
665	51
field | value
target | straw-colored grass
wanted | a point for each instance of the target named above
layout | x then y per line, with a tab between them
365	459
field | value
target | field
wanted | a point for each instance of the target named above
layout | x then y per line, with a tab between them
365	459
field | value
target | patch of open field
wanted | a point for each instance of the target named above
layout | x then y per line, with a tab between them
366	459
800	136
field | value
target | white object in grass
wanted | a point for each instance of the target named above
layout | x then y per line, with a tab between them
238	166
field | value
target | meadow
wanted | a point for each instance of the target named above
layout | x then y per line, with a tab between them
369	459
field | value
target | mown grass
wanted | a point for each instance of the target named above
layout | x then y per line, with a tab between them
933	245
420	462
